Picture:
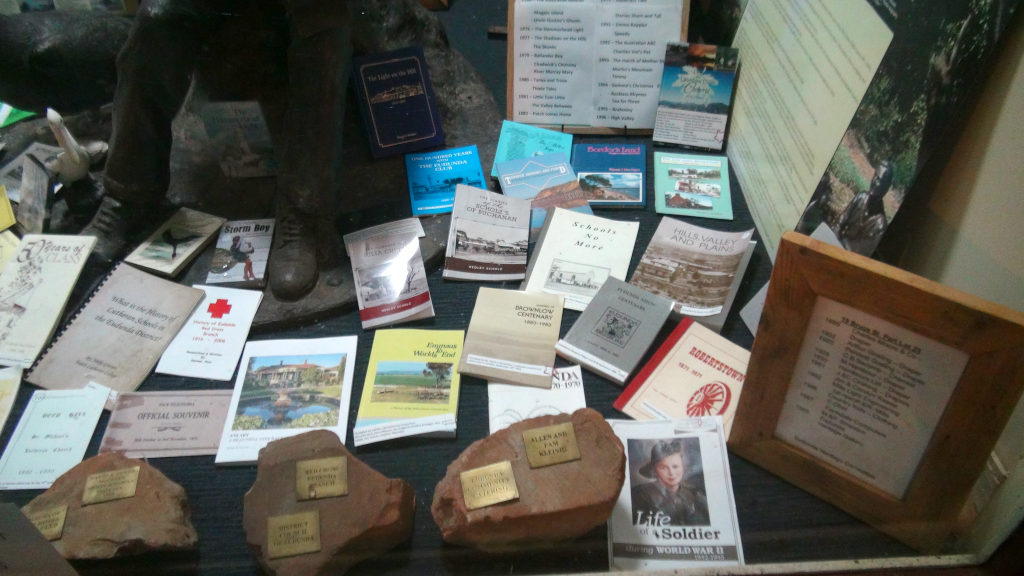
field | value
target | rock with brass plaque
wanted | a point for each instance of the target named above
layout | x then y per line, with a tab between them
580	491
317	509
113	506
488	485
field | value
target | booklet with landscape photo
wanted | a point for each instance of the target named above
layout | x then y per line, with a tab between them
691	185
611	174
511	403
241	253
168	250
548	181
696	95
488	237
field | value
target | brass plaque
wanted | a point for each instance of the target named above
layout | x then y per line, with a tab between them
113	485
293	534
549	445
489	485
321	478
50	522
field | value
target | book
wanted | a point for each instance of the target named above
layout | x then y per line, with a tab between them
387	267
696	95
242	138
517	141
211	341
411	387
548	181
34	290
284	388
676	510
694	373
434	175
615	330
397	101
691	185
612	174
174	244
511	403
166	423
511	337
241	253
576	253
51	437
117	337
488	237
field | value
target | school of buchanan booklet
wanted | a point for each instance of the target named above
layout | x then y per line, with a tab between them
174	244
434	175
511	337
691	185
284	388
576	253
489	236
615	330
694	373
241	254
676	508
411	387
34	289
611	174
696	95
510	403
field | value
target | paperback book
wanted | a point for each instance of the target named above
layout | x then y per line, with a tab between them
611	175
690	185
387	266
397	101
433	177
511	337
548	181
511	403
174	244
284	388
241	253
518	141
696	95
576	253
488	238
694	373
241	137
615	330
411	387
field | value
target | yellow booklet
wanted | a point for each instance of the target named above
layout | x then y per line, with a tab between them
411	387
6	212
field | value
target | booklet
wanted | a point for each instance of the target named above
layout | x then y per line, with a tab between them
676	509
165	424
285	388
168	250
434	175
7	218
511	403
611	174
241	254
696	95
488	237
411	387
51	437
548	181
210	342
517	141
690	185
387	266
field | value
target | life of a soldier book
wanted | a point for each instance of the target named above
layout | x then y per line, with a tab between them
696	95
488	237
612	174
241	253
174	244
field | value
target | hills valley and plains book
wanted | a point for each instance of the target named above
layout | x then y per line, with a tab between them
612	174
412	386
518	141
489	236
174	244
241	254
615	330
576	253
511	337
691	185
696	95
510	403
434	175
34	288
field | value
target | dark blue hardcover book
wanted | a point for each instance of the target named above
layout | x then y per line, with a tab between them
433	177
397	101
613	175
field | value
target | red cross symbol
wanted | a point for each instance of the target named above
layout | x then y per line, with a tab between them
219	308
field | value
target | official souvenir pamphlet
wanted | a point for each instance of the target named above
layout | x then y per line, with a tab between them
548	181
284	388
166	423
694	373
488	237
518	141
168	250
241	137
34	289
691	185
696	95
387	266
411	387
511	403
241	254
611	174
676	509
210	343
434	175
576	253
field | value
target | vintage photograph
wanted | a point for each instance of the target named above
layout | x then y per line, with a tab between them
412	382
616	327
482	242
575	278
612	186
294	391
698	187
666	482
390	281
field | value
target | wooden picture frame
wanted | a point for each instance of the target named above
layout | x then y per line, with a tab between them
928	512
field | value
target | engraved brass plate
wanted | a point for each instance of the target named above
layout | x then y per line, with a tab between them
50	522
112	485
293	534
321	478
489	485
549	445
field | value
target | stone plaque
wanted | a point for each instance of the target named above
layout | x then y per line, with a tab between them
293	534
321	478
551	445
50	522
489	485
111	485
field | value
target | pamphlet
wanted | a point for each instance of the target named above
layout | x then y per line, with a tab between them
612	174
691	185
174	244
696	95
164	424
434	175
511	403
241	254
518	141
548	181
488	237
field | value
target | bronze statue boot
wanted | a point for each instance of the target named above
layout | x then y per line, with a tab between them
293	268
112	224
